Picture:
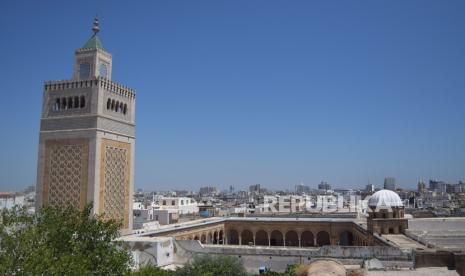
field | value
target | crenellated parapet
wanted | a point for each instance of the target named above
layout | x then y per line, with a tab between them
107	84
117	88
92	50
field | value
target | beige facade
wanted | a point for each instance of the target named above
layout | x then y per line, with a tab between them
87	139
65	172
264	232
387	221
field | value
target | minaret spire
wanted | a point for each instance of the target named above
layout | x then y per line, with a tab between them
95	27
94	41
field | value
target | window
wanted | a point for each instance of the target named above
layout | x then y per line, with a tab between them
63	103
76	102
84	70
56	106
103	70
117	106
164	202
82	102
182	202
70	102
173	202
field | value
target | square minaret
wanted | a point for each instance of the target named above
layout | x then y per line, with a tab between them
87	138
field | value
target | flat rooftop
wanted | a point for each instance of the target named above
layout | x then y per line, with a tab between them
441	233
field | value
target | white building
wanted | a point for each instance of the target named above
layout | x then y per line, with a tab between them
184	205
8	200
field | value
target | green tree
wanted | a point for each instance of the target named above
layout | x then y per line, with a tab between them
212	266
152	271
60	241
290	271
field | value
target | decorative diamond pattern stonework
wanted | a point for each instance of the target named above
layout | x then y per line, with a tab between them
115	175
66	173
115	169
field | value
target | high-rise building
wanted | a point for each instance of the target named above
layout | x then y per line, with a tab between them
390	183
254	189
208	191
87	137
325	186
421	187
369	188
302	188
438	186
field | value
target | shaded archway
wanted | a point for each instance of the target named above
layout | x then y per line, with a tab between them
215	237
307	239
346	239
261	238
203	239
322	238
292	239
220	235
196	238
247	237
276	238
233	237
210	238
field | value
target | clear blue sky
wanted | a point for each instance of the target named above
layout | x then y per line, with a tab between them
245	92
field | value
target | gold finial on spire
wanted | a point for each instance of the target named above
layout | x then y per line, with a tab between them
96	27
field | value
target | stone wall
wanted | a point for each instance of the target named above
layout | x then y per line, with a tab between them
277	258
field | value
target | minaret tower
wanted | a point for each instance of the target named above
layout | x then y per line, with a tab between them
87	136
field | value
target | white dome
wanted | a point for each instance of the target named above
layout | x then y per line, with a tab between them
385	198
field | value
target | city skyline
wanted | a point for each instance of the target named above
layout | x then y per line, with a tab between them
244	93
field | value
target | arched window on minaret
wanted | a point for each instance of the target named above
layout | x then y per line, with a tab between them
70	102
56	106
76	102
82	102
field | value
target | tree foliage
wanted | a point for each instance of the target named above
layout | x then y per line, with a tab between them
62	241
152	271
212	266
